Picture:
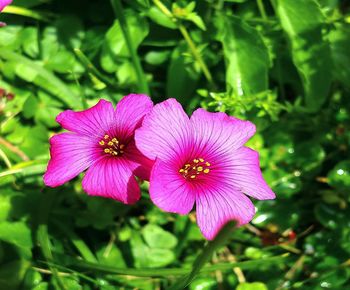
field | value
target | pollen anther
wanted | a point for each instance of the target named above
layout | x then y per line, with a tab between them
111	145
195	168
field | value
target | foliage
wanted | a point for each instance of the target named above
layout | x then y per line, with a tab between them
283	64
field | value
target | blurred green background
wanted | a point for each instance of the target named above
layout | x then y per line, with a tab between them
283	64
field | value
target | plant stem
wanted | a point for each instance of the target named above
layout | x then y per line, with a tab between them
221	239
262	9
195	52
119	12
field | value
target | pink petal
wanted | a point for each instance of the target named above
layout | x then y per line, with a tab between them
165	132
217	205
217	132
245	174
168	190
141	165
130	112
95	121
71	154
112	178
4	3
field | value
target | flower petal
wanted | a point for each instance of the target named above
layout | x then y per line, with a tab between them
112	178
218	205
4	3
141	165
130	112
245	174
169	191
95	121
165	132
217	132
71	154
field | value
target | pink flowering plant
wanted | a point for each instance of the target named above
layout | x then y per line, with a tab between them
202	160
101	141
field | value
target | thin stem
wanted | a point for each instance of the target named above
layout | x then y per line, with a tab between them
195	52
14	149
262	9
119	12
5	158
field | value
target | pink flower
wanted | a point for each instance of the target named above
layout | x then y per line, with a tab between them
202	160
102	141
4	3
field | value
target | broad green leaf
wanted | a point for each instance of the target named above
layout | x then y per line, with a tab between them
246	56
339	176
18	234
252	286
340	47
303	22
115	49
156	237
44	78
182	78
12	273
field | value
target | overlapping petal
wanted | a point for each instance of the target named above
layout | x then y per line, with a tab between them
217	133
112	178
71	154
130	112
4	3
169	191
243	171
215	206
93	122
166	132
140	164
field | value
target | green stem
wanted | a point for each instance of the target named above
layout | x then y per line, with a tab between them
79	244
43	236
194	50
166	272
262	9
221	239
118	10
91	68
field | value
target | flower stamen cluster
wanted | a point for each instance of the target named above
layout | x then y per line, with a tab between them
111	146
195	168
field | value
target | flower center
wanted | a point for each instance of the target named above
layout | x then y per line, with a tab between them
111	146
197	167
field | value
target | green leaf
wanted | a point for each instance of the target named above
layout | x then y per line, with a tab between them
339	176
252	286
340	47
156	237
182	78
246	56
115	46
303	22
12	274
18	234
44	78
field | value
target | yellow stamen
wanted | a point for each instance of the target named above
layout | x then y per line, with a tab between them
110	143
195	160
115	140
206	170
193	176
106	137
107	150
207	163
200	168
201	159
101	142
181	170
